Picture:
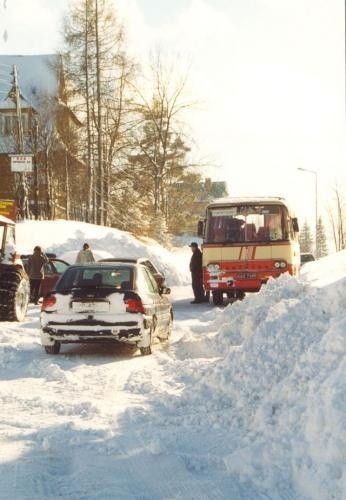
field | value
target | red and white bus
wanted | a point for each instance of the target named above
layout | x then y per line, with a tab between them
245	242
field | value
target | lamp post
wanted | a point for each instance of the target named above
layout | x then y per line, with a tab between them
316	211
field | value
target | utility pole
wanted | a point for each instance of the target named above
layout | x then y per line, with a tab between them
36	170
21	187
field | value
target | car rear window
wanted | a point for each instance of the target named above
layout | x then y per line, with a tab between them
119	277
307	257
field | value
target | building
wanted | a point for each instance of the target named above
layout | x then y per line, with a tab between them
35	119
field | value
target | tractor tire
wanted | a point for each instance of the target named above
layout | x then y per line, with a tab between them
14	293
145	351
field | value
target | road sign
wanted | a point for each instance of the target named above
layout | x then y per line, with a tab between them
21	163
8	209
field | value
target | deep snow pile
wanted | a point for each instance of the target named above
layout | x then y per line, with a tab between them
66	238
267	376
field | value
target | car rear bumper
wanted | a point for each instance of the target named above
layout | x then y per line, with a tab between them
63	335
85	331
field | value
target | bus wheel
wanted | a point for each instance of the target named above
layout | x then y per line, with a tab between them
217	298
235	295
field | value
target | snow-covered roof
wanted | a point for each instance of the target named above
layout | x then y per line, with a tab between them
5	220
248	200
36	77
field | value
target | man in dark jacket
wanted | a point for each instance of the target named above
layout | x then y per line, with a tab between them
197	274
36	264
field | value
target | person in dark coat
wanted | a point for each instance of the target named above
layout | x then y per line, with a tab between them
197	274
35	268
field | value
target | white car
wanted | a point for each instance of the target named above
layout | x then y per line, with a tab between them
306	257
106	302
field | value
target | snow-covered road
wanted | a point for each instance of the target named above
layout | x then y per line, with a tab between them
78	425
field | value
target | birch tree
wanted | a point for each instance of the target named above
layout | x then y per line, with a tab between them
337	218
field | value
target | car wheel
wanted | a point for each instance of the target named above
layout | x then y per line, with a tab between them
52	349
145	351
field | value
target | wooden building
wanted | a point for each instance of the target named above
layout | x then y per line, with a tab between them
35	119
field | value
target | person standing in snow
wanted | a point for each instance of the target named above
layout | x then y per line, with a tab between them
35	269
197	274
85	256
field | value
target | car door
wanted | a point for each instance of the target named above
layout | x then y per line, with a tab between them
162	305
52	272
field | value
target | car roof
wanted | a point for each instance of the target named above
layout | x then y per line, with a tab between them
135	260
104	264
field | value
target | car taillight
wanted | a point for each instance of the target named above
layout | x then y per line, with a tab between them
134	306
48	303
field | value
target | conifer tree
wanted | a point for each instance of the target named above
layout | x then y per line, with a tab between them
322	248
306	239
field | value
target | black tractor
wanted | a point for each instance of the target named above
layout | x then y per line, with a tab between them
14	282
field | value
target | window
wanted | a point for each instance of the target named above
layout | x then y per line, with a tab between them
153	284
60	266
242	224
92	276
145	282
9	124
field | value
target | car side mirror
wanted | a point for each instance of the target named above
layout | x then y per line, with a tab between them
164	290
295	224
200	228
159	278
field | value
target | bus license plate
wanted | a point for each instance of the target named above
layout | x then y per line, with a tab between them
246	276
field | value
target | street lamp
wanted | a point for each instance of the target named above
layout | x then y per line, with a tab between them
316	212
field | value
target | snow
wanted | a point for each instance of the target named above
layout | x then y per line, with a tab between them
245	402
66	238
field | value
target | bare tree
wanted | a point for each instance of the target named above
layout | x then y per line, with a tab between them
160	147
337	217
99	71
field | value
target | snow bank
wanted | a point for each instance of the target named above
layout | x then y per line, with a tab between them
66	238
266	378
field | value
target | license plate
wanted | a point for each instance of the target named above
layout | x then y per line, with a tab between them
90	306
246	276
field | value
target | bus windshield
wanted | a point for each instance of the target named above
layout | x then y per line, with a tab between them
246	223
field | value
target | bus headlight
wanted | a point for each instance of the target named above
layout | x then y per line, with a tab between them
213	268
280	264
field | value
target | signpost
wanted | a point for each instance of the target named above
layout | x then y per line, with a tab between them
8	209
21	163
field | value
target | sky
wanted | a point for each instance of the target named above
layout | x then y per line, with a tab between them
269	77
244	402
